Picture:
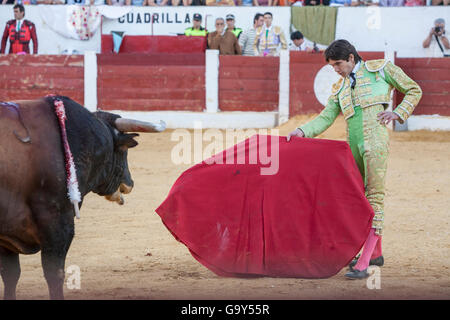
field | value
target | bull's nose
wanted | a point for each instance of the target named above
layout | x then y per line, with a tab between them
125	188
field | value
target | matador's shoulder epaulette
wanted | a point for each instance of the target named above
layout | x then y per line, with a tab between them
277	29
337	86
376	65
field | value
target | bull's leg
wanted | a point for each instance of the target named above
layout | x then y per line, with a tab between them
54	248
10	272
53	266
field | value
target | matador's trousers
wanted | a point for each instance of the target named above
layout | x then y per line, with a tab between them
369	143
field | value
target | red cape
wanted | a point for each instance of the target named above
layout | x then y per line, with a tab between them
308	220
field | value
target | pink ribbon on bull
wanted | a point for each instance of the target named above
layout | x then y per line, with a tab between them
72	182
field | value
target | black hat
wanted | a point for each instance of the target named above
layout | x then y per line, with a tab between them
229	17
197	16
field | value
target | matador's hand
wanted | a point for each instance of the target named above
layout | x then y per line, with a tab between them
386	116
296	133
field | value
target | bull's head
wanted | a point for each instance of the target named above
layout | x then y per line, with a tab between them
121	181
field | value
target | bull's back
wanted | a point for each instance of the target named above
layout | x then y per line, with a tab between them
30	173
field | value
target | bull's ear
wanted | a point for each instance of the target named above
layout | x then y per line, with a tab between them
126	141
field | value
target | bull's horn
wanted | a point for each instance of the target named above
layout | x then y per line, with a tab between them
129	125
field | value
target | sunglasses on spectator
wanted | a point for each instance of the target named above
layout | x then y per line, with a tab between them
219	24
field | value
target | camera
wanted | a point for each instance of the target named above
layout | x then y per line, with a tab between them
437	29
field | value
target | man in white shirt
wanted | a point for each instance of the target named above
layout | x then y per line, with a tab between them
299	43
436	42
247	37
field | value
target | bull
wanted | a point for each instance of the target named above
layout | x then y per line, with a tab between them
35	211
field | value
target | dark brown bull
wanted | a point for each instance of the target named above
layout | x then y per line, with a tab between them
35	212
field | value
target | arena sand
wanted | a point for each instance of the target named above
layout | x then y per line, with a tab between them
125	252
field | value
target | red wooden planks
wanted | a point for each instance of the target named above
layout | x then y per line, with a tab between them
189	59
150	104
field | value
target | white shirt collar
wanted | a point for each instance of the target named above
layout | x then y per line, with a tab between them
356	68
268	28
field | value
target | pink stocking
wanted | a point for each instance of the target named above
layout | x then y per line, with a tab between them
369	246
377	251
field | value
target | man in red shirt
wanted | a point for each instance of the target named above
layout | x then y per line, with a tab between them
20	32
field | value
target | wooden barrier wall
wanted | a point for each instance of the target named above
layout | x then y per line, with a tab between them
136	82
150	82
25	77
433	76
155	44
248	83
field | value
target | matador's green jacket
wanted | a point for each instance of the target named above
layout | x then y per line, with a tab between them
375	80
368	139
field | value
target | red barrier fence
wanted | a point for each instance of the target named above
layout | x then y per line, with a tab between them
149	82
433	76
137	82
248	83
156	44
30	76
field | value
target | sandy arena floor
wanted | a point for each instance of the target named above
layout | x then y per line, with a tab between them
125	252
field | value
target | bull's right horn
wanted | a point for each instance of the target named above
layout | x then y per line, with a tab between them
129	125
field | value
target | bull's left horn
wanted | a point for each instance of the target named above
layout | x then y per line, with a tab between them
129	125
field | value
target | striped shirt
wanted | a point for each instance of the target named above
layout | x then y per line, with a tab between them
246	41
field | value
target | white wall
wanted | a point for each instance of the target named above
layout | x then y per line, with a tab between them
403	29
173	20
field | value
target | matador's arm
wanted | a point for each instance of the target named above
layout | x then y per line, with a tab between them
400	81
324	120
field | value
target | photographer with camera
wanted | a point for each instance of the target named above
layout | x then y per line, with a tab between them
437	41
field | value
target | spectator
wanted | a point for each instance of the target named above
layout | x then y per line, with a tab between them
340	3
158	3
299	43
196	29
139	3
317	2
436	42
263	3
83	2
230	26
220	2
269	38
223	40
118	2
440	2
194	2
365	3
19	31
247	38
392	3
414	3
245	3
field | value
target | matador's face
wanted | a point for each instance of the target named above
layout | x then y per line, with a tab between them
343	67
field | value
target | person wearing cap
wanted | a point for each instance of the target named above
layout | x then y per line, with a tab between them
230	25
196	29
